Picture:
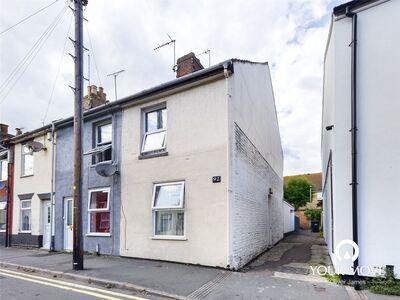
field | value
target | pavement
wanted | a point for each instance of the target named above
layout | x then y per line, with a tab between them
283	272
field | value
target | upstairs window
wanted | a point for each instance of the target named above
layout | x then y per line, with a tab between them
155	130
99	211
102	150
3	166
26	161
168	209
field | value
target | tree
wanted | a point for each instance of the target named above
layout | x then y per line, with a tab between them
297	191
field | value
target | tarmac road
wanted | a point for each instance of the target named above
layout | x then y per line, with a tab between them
23	285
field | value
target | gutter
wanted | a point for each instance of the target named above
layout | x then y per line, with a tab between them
353	130
117	105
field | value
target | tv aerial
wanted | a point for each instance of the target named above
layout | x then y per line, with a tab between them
208	51
171	41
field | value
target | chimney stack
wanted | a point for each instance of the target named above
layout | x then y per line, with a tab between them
3	129
94	97
187	64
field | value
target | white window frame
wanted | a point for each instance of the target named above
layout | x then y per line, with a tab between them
180	207
23	155
3	161
100	147
107	209
5	212
147	133
30	217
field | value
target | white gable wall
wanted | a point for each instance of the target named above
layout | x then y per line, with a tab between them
256	164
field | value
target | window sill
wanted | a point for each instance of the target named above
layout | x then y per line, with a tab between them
152	155
29	232
2	230
170	238
99	234
100	162
24	176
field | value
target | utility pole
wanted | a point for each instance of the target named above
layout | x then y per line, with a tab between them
115	74
78	122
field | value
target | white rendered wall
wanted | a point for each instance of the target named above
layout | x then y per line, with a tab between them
379	135
378	108
288	217
38	183
197	151
256	162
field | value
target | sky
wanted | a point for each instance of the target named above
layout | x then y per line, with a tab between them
35	68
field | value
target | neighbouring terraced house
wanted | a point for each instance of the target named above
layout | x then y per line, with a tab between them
187	171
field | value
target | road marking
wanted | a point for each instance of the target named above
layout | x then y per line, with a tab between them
208	287
64	284
62	287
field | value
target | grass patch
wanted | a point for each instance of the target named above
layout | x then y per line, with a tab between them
335	278
386	284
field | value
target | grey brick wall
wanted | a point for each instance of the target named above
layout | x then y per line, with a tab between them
252	210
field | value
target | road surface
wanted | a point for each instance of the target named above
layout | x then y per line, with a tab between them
27	285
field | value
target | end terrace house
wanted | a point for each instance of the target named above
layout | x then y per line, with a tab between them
201	166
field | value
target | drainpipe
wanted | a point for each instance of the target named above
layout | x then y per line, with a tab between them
52	210
353	129
227	73
7	240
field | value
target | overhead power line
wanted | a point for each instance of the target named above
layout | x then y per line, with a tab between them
58	71
20	69
28	17
94	56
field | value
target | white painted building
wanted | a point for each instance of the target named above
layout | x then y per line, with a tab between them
204	187
360	191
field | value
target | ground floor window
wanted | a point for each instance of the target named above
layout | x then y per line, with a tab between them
3	214
99	211
168	209
25	215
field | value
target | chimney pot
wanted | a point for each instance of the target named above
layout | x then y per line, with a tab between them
18	131
94	97
187	64
93	89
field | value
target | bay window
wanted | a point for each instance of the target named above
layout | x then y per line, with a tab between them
168	209
25	217
99	211
155	131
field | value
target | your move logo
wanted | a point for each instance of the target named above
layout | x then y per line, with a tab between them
346	251
346	255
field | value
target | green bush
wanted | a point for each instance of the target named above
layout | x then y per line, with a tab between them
313	214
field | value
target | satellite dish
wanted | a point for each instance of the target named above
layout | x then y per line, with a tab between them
106	169
2	185
35	146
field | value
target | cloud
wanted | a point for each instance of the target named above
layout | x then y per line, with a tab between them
291	35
